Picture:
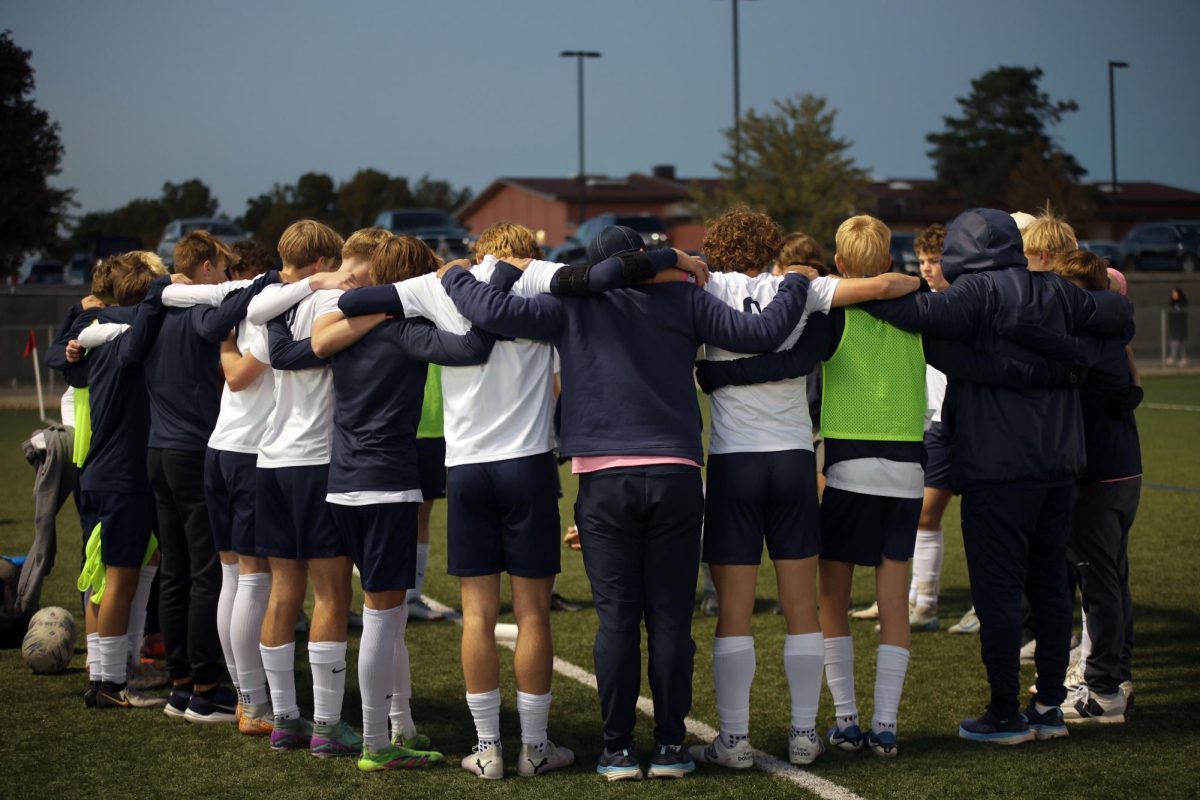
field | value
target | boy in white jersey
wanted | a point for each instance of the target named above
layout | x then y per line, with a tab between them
762	485
293	526
502	503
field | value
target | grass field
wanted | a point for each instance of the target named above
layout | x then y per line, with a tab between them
56	748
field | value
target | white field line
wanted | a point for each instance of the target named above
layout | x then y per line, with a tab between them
828	790
1170	407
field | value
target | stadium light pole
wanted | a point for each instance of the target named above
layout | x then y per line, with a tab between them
1112	139
737	93
579	56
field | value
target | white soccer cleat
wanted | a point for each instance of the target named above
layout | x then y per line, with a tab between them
870	612
487	764
419	609
538	762
804	748
1029	651
740	756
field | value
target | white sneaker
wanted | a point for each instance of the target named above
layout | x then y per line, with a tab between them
1084	705
968	624
139	699
534	762
419	609
1028	651
923	619
803	749
870	612
487	764
740	756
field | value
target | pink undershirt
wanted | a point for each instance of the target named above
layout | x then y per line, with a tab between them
582	464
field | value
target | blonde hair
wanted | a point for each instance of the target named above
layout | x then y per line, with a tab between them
306	241
507	240
362	243
132	273
1049	234
399	258
863	246
1089	269
197	247
800	248
741	240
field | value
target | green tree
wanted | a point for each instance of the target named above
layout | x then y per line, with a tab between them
31	211
145	218
191	198
1002	136
793	167
368	192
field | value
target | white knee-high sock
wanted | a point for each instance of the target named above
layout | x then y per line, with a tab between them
137	611
401	712
534	711
839	674
804	661
485	710
225	601
890	666
927	569
328	663
249	607
376	655
422	563
733	672
280	665
114	652
93	657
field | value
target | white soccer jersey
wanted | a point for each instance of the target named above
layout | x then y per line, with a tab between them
298	431
935	393
764	417
502	409
244	414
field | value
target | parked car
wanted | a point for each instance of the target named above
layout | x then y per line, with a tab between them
444	234
78	271
176	229
904	257
1110	251
1171	244
43	270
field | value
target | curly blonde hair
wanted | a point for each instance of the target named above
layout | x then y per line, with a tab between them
399	258
507	240
741	240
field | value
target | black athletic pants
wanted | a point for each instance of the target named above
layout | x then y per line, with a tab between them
640	530
1098	552
1016	541
190	570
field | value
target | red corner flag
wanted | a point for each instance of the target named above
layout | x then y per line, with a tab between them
30	344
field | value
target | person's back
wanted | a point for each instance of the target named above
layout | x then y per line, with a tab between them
116	460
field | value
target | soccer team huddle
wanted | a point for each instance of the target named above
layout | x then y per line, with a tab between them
247	432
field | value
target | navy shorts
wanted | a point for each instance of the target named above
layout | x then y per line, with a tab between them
229	483
382	540
863	528
503	517
291	517
755	496
431	468
937	455
126	520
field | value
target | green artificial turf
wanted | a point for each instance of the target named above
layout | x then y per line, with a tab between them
54	747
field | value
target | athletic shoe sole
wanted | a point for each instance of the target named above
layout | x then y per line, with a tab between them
670	771
1046	732
1005	738
216	716
173	712
1102	720
620	773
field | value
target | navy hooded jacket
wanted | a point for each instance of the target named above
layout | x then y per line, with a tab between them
996	305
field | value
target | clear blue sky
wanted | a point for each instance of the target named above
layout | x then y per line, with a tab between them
246	94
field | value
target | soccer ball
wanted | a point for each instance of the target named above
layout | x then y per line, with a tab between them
54	615
47	647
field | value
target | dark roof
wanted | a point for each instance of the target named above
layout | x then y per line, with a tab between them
1147	192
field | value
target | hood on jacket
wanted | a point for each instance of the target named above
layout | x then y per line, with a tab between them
981	239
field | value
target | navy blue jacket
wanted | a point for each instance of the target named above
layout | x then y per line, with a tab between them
1107	399
183	369
627	355
995	305
116	460
378	389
